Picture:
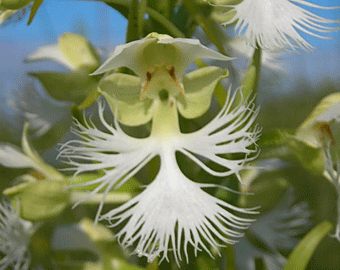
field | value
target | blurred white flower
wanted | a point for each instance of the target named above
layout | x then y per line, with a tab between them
273	232
41	111
172	211
270	60
275	24
15	235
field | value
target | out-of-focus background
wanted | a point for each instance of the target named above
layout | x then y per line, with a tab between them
289	94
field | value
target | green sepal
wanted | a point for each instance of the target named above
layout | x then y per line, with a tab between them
310	158
303	252
39	200
74	87
199	86
122	92
14	4
79	52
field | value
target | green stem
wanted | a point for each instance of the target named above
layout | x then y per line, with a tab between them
132	27
142	10
111	198
212	30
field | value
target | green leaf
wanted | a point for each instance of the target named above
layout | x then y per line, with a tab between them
34	9
199	86
303	252
39	200
74	87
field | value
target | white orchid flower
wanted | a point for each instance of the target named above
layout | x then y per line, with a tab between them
15	235
274	25
172	199
41	112
172	211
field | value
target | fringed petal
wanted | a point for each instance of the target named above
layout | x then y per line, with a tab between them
119	155
230	132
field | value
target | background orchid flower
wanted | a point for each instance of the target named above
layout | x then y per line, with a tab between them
72	50
15	235
275	231
172	199
274	25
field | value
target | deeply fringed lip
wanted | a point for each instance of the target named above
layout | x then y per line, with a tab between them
173	211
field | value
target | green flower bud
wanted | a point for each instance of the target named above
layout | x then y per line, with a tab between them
39	200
